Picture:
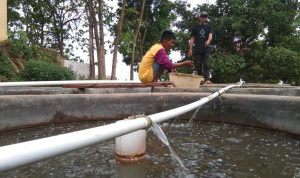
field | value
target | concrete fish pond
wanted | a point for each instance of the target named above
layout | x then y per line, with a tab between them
206	149
271	107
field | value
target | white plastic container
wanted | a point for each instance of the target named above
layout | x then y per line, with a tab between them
131	147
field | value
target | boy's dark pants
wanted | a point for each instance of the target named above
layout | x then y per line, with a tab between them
201	64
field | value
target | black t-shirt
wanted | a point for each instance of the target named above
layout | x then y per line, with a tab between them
200	33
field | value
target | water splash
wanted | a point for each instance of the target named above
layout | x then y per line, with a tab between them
221	104
194	115
161	135
173	123
215	106
197	110
177	118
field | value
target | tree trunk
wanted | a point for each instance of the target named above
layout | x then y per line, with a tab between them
117	41
91	45
144	34
101	63
26	12
42	35
139	21
61	41
93	17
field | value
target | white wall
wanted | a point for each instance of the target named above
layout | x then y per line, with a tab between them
81	69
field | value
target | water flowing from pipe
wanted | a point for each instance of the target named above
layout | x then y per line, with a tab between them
194	115
161	135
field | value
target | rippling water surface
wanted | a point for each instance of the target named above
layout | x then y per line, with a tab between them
206	149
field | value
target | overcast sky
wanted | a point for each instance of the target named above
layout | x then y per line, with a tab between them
195	2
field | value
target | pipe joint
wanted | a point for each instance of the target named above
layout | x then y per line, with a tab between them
149	121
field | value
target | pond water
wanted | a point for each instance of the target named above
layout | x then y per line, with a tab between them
206	150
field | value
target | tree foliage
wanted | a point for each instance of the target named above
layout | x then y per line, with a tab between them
226	68
47	23
158	17
281	64
6	69
242	29
36	63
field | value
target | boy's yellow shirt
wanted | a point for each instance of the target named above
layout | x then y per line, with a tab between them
145	68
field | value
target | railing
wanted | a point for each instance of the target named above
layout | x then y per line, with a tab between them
16	155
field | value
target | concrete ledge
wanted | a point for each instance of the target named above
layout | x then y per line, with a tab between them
30	110
286	91
246	90
60	90
267	111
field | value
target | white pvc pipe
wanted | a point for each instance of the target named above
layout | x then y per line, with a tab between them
16	155
163	116
66	82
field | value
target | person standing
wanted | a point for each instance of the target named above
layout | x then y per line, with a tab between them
199	46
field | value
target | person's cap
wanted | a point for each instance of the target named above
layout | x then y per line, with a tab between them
203	14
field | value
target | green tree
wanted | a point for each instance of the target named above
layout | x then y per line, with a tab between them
47	23
281	64
278	17
136	35
226	68
116	42
158	17
6	68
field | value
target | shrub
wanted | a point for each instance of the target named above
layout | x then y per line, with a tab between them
44	71
6	68
19	48
279	63
226	68
253	70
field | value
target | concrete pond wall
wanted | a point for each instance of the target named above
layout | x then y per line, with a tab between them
272	107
